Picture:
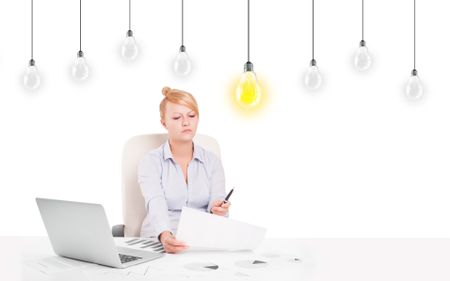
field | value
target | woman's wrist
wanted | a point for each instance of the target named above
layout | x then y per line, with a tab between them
162	236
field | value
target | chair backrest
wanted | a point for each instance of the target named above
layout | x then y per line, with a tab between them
133	203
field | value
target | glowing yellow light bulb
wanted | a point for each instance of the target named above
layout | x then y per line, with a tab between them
248	91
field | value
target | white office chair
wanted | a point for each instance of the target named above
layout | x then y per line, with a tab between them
133	204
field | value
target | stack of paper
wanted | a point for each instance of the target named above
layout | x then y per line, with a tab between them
203	231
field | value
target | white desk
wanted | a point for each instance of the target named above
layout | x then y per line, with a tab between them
321	260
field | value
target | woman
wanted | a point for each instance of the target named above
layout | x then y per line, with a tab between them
179	173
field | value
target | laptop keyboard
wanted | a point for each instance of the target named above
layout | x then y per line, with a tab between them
127	258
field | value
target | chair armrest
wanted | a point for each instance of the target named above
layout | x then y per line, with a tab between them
118	230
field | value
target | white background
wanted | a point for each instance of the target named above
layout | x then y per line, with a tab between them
355	159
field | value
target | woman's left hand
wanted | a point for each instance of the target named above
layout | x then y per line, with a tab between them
219	208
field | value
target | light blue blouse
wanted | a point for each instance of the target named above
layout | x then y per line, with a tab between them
165	191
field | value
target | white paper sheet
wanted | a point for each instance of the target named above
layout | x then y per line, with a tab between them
203	231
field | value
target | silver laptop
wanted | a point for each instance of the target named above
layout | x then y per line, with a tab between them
81	231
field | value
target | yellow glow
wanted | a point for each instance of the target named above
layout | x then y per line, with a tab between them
248	92
247	112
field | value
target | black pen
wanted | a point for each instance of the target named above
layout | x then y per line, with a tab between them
228	196
225	201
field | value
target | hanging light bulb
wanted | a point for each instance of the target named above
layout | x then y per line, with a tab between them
31	79
313	78
80	69
182	64
129	47
248	91
362	60
414	88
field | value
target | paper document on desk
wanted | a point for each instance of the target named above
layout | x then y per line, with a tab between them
204	231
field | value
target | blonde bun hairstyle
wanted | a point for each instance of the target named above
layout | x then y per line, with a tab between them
166	91
178	97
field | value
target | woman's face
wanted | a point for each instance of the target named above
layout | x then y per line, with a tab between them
180	121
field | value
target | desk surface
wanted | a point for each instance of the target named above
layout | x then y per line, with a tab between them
285	259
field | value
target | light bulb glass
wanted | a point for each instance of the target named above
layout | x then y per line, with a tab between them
80	70
362	60
129	48
313	78
414	88
182	64
248	91
31	79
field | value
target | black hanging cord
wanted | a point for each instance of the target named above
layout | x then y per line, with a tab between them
362	21
32	29
248	30
414	34
313	29
80	25
182	22
129	14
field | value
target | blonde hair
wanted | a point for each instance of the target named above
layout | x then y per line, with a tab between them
178	97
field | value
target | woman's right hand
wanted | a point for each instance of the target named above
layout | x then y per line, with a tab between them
171	244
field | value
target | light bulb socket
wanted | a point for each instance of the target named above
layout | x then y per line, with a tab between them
414	72
248	66
313	62
130	33
80	54
31	63
362	43
182	48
